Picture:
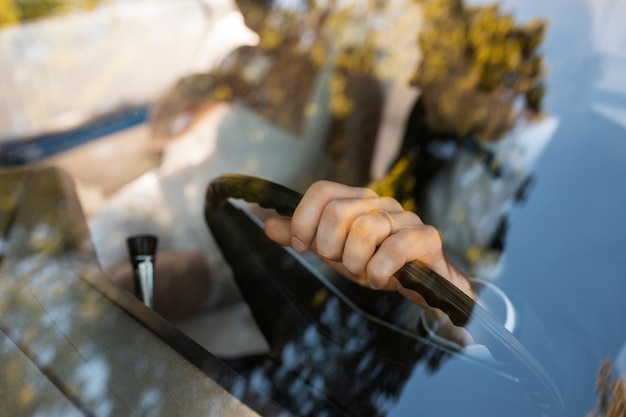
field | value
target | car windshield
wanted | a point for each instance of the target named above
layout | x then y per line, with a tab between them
144	143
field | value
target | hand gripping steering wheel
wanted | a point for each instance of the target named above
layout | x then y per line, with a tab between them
436	290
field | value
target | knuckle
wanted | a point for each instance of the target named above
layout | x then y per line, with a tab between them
414	218
361	227
321	187
369	193
334	210
391	203
432	237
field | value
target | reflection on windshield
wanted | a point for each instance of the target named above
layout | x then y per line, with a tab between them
464	111
329	339
67	349
13	12
474	133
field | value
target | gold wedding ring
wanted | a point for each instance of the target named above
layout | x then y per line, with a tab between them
387	215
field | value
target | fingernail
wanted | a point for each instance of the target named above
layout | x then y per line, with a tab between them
298	245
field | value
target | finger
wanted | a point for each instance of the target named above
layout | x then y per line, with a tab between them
338	217
368	231
279	230
307	215
421	243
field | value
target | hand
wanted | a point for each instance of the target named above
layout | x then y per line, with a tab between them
345	227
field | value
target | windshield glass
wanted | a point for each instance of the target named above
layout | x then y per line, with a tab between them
502	123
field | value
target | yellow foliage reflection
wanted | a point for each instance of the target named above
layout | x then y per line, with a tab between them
477	63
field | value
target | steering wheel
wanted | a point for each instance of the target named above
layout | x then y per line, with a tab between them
435	289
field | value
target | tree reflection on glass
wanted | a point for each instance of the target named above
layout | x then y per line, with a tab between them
611	393
66	348
298	45
15	11
477	65
474	130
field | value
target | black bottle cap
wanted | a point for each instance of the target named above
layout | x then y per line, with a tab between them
142	245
